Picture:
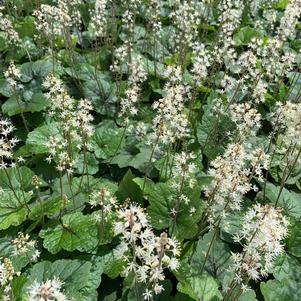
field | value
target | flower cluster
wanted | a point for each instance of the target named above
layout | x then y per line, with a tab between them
232	174
287	129
150	254
62	104
59	153
7	144
201	62
153	14
263	229
288	23
106	201
83	121
98	20
51	290
288	118
6	26
171	122
229	19
75	121
7	273
128	24
23	246
274	64
13	75
137	75
55	20
247	119
184	168
183	172
186	19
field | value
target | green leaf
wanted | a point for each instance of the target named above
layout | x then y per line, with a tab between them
5	88
249	295
287	267
138	33
231	225
162	198
198	287
38	138
182	297
218	259
35	72
97	87
50	207
107	140
85	72
17	286
139	158
3	41
80	278
212	130
6	249
79	189
14	106
245	35
27	27
112	266
91	166
288	200
153	68
282	4
293	242
285	290
77	232
17	178
128	188
13	210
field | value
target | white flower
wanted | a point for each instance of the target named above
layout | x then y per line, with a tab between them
7	273
232	175
147	295
46	291
149	254
7	144
262	231
288	23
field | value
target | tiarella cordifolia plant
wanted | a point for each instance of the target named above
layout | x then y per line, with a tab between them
12	75
287	119
153	12
7	274
150	150
98	22
170	123
149	254
8	143
229	19
232	176
56	20
186	20
23	246
75	119
288	23
137	75
48	291
246	118
261	235
7	27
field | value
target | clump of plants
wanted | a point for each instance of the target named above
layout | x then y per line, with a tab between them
150	150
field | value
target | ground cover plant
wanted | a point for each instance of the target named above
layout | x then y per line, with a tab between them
150	150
